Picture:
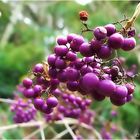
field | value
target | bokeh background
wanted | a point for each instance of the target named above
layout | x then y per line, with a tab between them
28	30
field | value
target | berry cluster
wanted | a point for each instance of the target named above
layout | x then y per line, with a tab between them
81	67
71	106
23	110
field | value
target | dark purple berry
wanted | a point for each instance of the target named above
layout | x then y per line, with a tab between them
129	44
111	29
115	41
52	102
100	32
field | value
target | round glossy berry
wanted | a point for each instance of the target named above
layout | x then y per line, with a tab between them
62	76
37	90
85	50
71	56
52	102
38	103
56	92
46	109
95	45
54	83
72	74
120	92
72	85
70	37
115	41
111	29
100	32
129	44
106	87
76	42
78	63
89	81
38	68
27	82
51	59
29	93
86	69
61	40
61	50
104	52
53	72
60	63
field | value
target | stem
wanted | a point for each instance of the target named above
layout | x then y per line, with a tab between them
9	101
62	133
29	124
42	132
69	130
131	21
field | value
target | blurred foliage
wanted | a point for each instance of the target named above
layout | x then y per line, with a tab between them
33	36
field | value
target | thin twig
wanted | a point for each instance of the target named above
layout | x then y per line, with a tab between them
9	101
29	124
60	135
69	130
34	133
42	132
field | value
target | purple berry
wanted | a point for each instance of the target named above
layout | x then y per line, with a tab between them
111	29
29	93
120	92
46	109
129	44
71	56
61	40
95	45
86	69
56	92
38	103
89	81
61	50
54	83
100	32
70	37
72	85
60	63
78	63
115	41
53	72
52	59
104	52
106	87
62	76
72	74
85	49
52	102
76	42
38	68
27	82
37	90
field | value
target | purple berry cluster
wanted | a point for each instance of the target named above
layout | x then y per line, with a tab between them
81	68
71	106
23	110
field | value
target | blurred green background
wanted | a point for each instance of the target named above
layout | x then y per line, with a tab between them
27	35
